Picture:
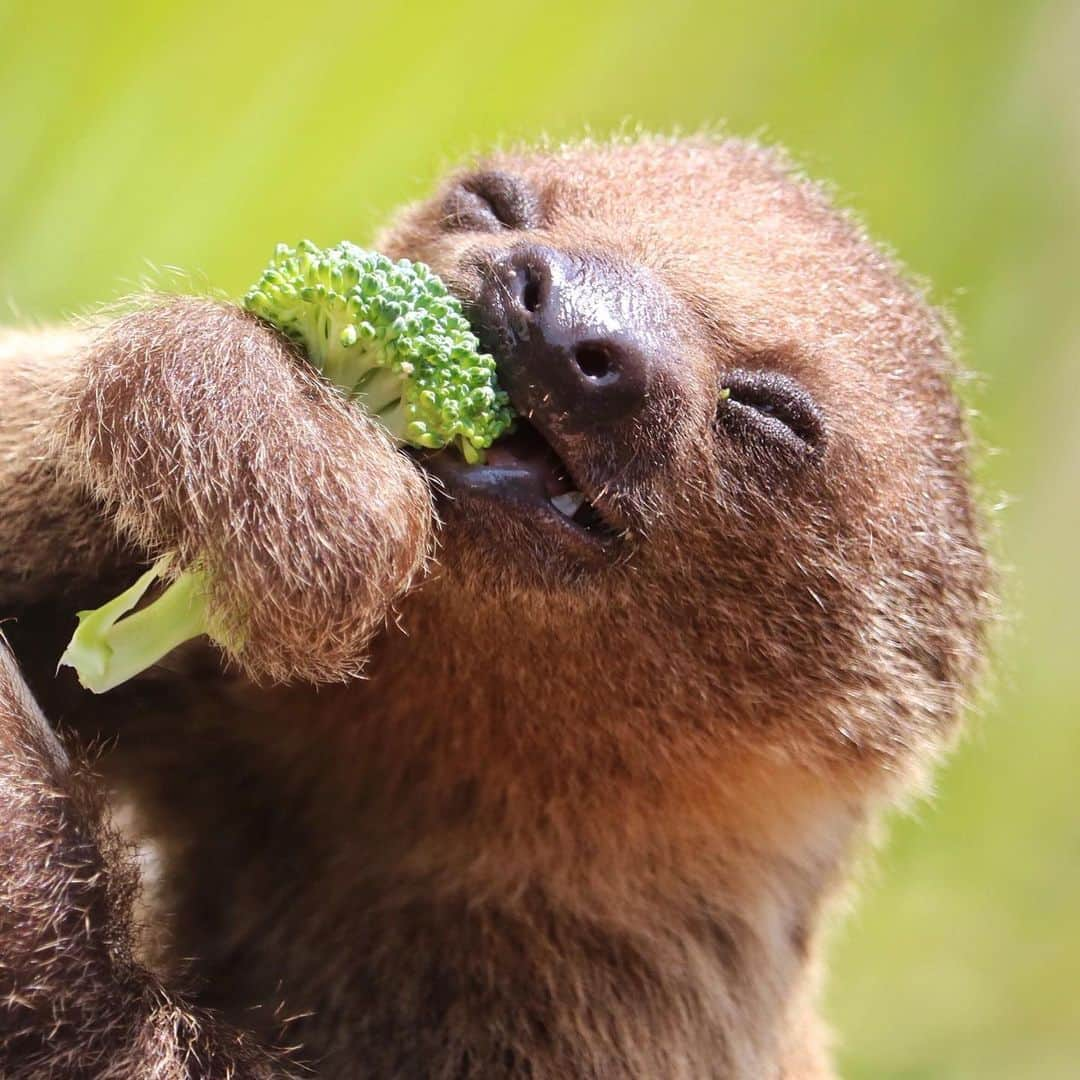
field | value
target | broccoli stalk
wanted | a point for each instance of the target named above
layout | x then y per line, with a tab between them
391	337
107	649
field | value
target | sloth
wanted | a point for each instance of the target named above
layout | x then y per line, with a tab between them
548	767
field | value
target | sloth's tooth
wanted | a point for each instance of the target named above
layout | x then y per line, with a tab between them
568	503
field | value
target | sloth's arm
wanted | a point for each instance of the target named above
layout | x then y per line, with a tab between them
190	427
53	539
73	1002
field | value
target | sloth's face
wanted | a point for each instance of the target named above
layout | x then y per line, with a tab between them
738	425
603	361
734	407
696	343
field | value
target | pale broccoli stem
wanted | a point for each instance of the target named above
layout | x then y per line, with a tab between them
107	649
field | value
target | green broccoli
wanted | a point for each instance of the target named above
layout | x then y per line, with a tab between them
396	342
392	337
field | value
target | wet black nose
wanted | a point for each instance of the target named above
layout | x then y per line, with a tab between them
576	338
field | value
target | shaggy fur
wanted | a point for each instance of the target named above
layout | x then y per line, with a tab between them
577	820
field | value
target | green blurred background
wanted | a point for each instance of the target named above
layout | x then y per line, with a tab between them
198	134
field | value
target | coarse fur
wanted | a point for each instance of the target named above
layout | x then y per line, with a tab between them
576	820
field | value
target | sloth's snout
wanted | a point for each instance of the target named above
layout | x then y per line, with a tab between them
579	341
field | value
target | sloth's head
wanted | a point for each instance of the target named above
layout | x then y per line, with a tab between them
740	434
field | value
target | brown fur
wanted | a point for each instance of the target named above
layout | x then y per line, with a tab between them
575	822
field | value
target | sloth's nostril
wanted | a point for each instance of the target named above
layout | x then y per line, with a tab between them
530	294
594	359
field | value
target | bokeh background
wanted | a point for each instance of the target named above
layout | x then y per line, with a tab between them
196	135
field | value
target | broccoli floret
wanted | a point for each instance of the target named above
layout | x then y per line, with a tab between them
392	337
395	341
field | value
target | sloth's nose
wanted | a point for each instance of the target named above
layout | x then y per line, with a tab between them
578	340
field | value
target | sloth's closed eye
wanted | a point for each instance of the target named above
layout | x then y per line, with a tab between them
769	405
490	201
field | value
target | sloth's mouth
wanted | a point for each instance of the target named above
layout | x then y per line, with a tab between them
524	475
